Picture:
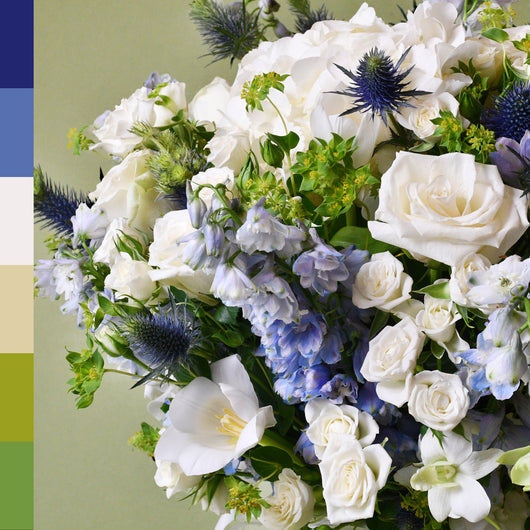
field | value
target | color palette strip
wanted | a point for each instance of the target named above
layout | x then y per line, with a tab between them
16	266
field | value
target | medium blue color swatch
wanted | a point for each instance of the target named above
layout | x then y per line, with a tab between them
16	133
16	44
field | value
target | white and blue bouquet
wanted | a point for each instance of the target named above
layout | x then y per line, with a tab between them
320	273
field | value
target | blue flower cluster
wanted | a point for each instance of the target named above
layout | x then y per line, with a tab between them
292	287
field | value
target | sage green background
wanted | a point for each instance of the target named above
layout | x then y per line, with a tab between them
88	56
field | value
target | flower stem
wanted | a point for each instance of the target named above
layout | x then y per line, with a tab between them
492	523
272	439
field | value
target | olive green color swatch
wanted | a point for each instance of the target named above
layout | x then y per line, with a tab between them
16	397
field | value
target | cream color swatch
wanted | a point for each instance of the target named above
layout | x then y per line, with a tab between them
16	308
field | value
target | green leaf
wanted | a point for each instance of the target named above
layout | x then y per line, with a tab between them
271	153
361	238
230	338
227	315
286	142
496	34
437	350
438	290
106	305
379	322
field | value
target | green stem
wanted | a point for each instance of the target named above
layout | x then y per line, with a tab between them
492	523
272	439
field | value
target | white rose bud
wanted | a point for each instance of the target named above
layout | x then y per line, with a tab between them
326	419
170	477
459	284
438	400
291	506
391	360
381	283
129	277
351	477
437	319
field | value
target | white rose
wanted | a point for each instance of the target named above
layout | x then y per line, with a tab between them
381	283
107	251
291	506
171	270
326	419
129	277
437	318
438	400
391	360
445	207
228	148
351	477
419	117
162	114
171	477
128	190
459	284
212	176
209	103
113	133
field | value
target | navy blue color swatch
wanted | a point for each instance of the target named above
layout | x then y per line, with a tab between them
16	44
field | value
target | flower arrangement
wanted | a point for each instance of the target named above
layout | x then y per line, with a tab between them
320	273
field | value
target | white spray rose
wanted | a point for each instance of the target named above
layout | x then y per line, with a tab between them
208	105
391	360
112	128
212	176
129	277
107	251
128	190
162	114
291	506
438	400
351	477
170	269
437	318
326	419
170	477
419	117
459	285
381	283
445	207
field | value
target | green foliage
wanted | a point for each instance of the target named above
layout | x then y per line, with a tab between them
479	142
328	172
524	46
361	238
88	374
146	439
472	97
438	290
244	498
416	502
77	141
493	17
258	89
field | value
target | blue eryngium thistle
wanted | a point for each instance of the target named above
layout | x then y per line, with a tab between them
55	205
510	115
377	85
161	340
305	16
228	31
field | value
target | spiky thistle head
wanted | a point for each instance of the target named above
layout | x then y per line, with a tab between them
509	117
378	85
162	340
228	31
55	205
305	16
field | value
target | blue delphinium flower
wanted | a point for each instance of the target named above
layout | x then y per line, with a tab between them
162	340
377	86
339	388
498	362
510	114
321	268
306	449
155	79
262	231
513	161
